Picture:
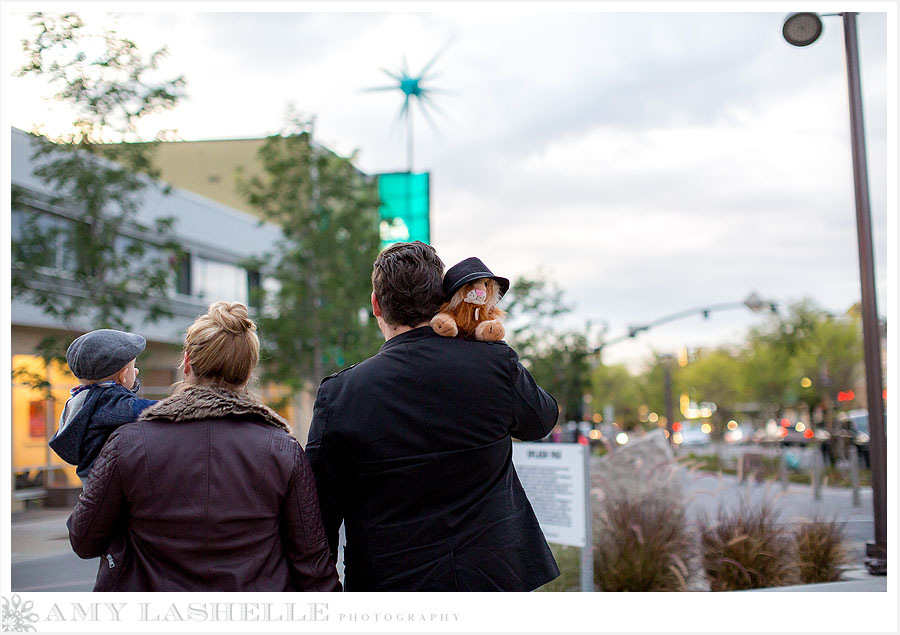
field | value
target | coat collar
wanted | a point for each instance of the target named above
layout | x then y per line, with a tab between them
412	335
208	402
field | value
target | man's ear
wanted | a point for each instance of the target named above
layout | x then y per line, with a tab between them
120	376
376	308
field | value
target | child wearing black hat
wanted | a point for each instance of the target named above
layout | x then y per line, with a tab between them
103	361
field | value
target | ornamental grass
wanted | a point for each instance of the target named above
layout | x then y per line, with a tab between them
821	550
747	549
643	543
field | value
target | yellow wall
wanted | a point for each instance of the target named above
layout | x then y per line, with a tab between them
29	450
209	168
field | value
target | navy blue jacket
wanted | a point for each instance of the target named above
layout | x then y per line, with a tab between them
412	451
89	418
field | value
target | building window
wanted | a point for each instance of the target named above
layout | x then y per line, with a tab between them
42	239
254	286
214	281
182	267
263	292
143	256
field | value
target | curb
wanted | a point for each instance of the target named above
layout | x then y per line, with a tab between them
856	580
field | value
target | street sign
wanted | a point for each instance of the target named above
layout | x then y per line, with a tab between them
405	207
556	479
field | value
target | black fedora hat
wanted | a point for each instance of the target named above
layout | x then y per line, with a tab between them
466	271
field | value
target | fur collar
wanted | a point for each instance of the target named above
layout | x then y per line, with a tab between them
208	402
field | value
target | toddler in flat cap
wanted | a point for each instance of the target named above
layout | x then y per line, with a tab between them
103	361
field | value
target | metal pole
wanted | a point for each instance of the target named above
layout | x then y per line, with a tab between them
817	473
409	140
49	429
854	473
667	374
587	552
782	469
877	551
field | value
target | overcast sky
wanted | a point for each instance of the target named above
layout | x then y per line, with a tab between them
647	162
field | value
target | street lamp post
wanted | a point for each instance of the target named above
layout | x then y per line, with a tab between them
670	414
753	302
802	29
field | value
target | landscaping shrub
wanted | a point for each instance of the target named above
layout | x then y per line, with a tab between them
569	561
821	550
746	549
643	543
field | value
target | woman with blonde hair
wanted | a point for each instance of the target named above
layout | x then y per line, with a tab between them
208	490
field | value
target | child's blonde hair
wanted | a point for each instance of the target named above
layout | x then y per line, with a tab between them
222	346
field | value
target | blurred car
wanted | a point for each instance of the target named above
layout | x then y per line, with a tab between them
794	436
761	435
789	432
691	435
770	432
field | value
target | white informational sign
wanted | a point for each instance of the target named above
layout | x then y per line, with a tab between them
554	478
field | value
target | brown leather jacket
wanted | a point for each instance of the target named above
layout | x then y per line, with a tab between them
207	492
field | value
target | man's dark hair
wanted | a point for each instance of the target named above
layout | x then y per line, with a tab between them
406	279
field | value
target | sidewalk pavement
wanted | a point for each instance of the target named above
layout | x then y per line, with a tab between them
41	534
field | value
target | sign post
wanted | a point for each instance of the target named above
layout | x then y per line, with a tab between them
587	551
556	479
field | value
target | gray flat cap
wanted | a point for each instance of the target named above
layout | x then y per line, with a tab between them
99	354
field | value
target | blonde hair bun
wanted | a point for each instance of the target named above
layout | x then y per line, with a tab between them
223	345
232	317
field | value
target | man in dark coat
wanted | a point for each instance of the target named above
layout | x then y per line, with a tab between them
412	449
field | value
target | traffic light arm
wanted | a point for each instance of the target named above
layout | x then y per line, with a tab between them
704	311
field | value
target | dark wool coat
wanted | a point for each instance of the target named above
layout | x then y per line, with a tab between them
207	492
412	450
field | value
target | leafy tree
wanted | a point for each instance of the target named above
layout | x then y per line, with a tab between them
87	255
557	359
826	361
830	359
563	369
715	376
807	343
652	383
767	367
614	385
316	322
534	303
766	373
